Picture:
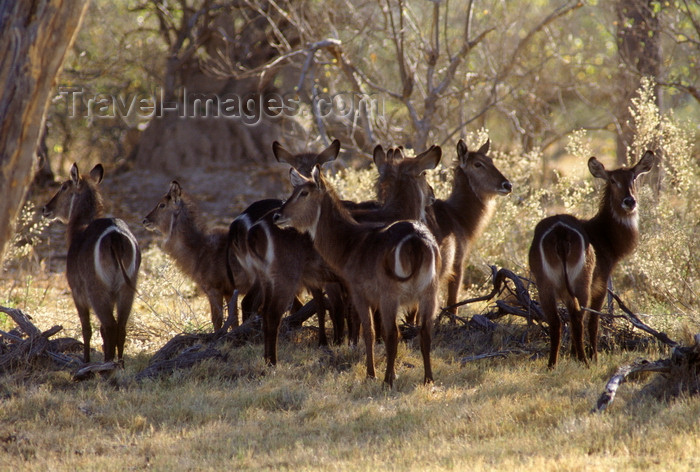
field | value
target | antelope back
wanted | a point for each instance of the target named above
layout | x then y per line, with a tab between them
481	174
106	255
239	231
560	253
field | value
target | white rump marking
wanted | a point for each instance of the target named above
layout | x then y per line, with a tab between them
245	219
574	271
99	270
269	247
399	269
428	274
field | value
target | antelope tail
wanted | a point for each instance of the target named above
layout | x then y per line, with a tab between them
130	283
563	248
394	268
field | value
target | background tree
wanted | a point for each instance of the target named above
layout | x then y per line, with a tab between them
34	38
639	48
394	71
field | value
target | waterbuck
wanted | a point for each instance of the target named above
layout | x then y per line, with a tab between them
402	188
404	193
459	220
383	267
283	262
572	259
103	260
198	251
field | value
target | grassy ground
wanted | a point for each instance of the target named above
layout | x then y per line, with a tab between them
316	410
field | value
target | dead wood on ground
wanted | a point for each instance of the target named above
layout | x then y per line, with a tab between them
680	370
27	345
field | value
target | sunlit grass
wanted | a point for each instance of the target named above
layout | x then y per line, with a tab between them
317	411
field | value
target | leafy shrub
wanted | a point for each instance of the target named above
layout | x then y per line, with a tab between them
661	275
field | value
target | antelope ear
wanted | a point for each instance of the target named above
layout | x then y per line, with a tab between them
175	191
74	173
97	173
429	159
462	152
330	153
379	157
296	178
597	168
485	148
317	178
281	154
645	164
462	148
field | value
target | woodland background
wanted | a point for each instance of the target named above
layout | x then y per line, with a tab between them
550	83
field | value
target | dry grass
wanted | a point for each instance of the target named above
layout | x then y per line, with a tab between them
316	411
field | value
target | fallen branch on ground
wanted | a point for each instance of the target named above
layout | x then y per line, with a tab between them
27	344
526	307
683	365
186	350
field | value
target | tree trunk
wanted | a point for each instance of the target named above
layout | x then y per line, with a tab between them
640	55
34	38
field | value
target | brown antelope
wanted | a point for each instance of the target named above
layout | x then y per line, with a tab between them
404	194
572	259
458	221
403	191
199	252
383	267
238	256
283	262
103	260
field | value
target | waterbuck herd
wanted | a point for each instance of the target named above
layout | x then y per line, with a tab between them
362	262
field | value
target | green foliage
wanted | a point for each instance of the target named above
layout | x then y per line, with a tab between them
668	266
663	274
28	233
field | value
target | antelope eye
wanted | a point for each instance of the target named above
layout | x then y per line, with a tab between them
304	193
478	165
161	205
64	187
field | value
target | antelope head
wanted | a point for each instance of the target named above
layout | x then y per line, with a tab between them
166	210
303	208
483	176
73	193
620	185
304	162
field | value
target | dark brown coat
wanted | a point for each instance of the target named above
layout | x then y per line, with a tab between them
383	267
102	263
572	259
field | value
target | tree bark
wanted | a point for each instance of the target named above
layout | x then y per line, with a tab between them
639	52
35	36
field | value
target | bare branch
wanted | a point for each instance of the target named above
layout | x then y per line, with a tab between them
636	322
608	395
556	14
